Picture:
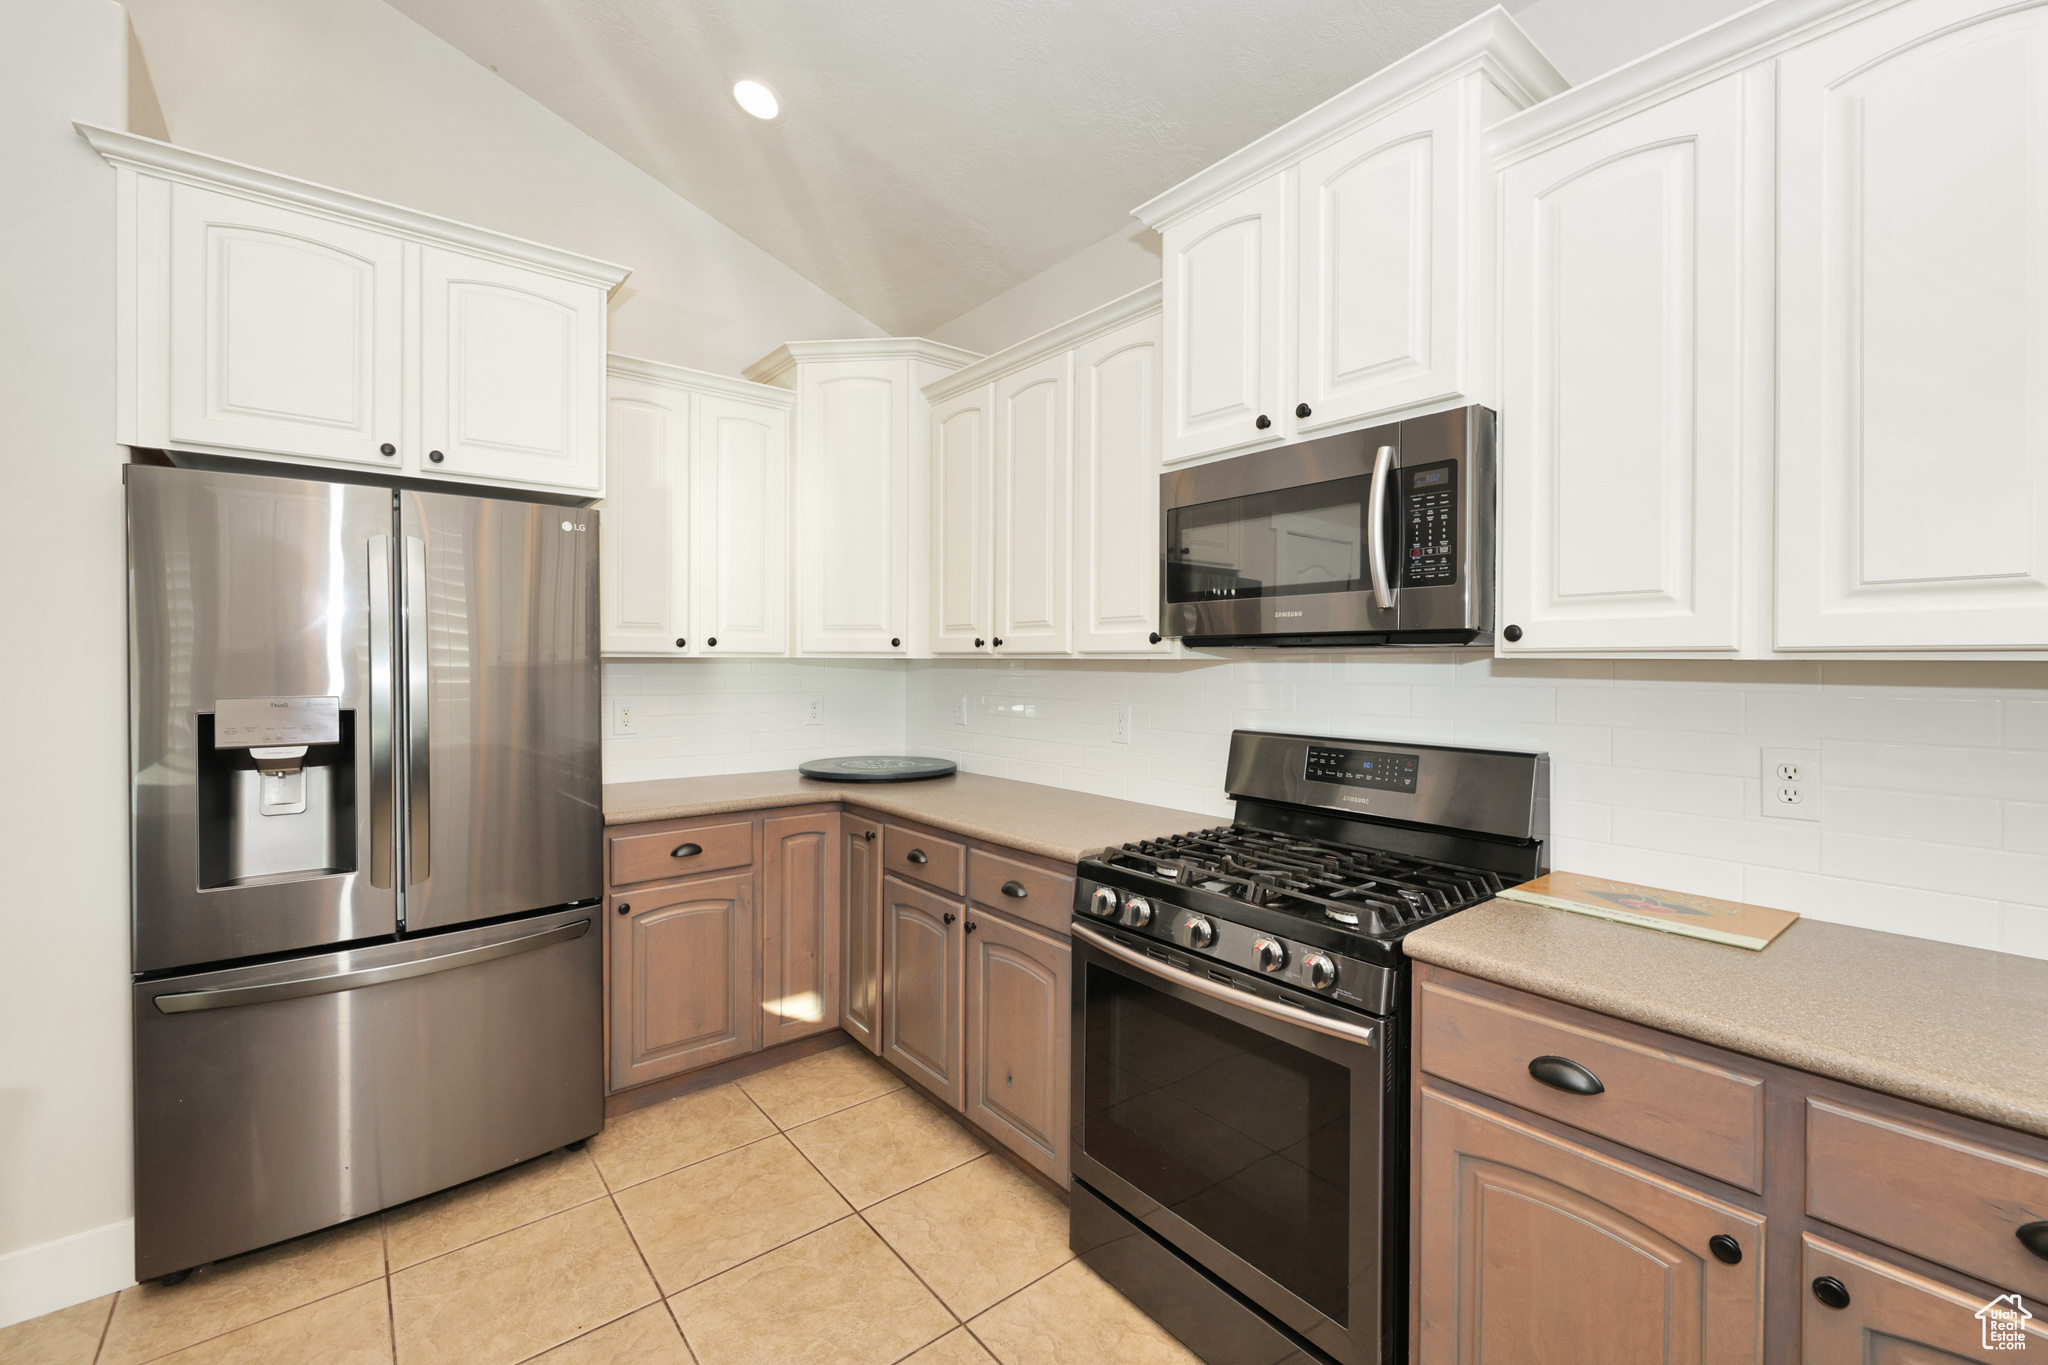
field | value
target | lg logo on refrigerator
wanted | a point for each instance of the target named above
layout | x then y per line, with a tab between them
573	526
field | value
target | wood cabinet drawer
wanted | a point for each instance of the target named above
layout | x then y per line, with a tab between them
1703	1117
937	863
1021	891
1939	1196
664	855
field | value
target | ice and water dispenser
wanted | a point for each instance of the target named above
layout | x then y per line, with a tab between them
277	790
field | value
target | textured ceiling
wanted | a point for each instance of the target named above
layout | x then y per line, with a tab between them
931	153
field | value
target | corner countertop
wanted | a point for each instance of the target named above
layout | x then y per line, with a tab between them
1052	822
1962	1029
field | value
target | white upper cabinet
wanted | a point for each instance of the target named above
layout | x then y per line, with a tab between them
861	489
1116	491
1913	332
644	567
1032	431
270	318
740	554
963	524
1340	269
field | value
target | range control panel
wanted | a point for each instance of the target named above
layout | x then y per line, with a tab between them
1361	768
1429	497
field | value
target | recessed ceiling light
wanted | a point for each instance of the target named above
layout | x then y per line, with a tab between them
756	98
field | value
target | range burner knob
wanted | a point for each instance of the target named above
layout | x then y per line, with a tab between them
1272	955
1201	933
1322	973
1137	912
1103	904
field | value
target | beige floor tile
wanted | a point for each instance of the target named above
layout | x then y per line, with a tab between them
977	1233
820	1084
69	1336
883	1146
647	1142
837	1297
521	1292
484	1208
957	1347
1071	1317
150	1320
351	1328
693	1223
648	1337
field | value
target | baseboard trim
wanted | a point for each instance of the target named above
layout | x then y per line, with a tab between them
41	1279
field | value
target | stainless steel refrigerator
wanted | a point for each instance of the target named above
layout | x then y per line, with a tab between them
367	838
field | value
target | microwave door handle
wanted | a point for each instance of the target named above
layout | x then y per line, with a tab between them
1376	528
380	712
419	775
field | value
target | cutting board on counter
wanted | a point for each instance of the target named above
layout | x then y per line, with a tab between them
1653	907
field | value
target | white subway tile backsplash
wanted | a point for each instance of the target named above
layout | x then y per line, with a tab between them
2026	724
1989	873
1659	708
2026	827
1967	820
2003	774
1777	843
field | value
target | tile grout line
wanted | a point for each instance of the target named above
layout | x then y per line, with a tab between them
876	1233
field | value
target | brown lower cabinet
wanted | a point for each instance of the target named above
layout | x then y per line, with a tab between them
860	895
1019	1021
1896	1317
682	976
799	927
921	1001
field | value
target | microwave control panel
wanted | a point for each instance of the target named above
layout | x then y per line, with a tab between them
1429	503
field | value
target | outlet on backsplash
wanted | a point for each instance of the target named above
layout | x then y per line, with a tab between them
622	718
814	711
960	709
1790	783
1120	723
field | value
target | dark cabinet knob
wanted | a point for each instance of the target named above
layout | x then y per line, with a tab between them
712	642
949	917
685	850
436	456
1562	1073
916	855
1831	1292
1513	633
895	642
1015	890
868	835
1301	409
387	449
2034	1237
1726	1249
1154	637
681	643
623	907
977	642
971	926
997	642
1263	422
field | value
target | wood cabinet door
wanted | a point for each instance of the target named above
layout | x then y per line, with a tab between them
1116	492
1019	1014
1533	1249
1033	611
287	332
1225	275
1896	1317
860	1011
1385	269
682	979
853	506
739	529
800	928
963	523
644	587
1912	508
1628	314
512	378
921	1007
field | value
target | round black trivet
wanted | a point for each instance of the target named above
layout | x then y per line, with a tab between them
877	769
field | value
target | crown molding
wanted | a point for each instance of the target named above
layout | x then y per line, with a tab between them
182	164
785	357
1067	335
1491	43
679	377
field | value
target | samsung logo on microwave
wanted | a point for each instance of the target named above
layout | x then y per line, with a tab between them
1282	615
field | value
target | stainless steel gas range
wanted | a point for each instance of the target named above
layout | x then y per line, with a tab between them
1240	1145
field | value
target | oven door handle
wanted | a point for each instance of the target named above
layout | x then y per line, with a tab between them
1334	1028
1376	527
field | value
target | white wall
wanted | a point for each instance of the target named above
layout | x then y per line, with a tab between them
1127	259
64	1128
351	93
693	717
1585	38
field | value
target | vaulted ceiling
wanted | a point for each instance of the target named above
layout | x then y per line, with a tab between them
931	153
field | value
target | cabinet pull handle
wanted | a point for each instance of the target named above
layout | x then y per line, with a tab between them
681	643
2034	1237
1015	890
1513	633
1263	422
625	908
436	456
997	642
387	449
713	642
868	835
916	855
971	926
949	917
1831	1292
1155	637
895	642
977	642
1726	1249
686	850
1562	1073
1301	409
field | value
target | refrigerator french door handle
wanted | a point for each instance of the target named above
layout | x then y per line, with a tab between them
419	774
1376	527
382	831
186	1002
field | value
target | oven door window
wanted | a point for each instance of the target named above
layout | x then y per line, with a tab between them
1310	539
1246	1137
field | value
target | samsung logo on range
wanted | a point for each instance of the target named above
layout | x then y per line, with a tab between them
1282	615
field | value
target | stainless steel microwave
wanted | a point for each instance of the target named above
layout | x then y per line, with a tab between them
1376	537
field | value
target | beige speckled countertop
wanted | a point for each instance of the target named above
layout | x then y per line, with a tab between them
1049	821
1958	1028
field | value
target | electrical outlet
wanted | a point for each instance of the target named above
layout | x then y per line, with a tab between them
1790	783
622	718
960	709
1120	723
814	711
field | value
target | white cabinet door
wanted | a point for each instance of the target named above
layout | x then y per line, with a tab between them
963	524
645	577
512	373
1913	332
1225	279
740	469
287	331
1116	492
1624	334
852	500
1032	430
1381	216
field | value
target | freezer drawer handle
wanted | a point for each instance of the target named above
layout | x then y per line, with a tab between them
686	850
185	1002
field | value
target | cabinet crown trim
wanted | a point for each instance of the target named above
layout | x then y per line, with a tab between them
182	164
787	356
1492	43
680	377
1128	308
